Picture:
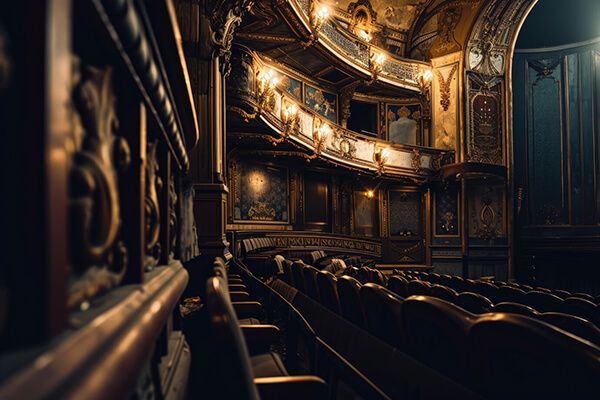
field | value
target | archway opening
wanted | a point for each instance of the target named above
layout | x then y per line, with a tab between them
556	98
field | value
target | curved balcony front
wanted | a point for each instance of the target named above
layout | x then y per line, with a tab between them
353	51
287	120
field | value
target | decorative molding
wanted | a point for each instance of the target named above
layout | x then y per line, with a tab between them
300	240
445	86
154	185
98	259
137	50
225	16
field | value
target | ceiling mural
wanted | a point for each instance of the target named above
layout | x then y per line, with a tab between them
393	14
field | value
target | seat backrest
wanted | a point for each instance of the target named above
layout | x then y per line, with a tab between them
418	288
364	275
579	307
563	294
510	294
229	357
573	324
457	283
443	292
543	302
515	308
488	290
288	276
298	274
377	277
310	282
474	303
327	284
520	357
350	304
435	333
398	285
383	313
584	296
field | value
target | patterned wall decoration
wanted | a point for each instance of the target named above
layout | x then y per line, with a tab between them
485	137
486	212
445	102
292	86
322	102
260	193
405	213
404	123
446	217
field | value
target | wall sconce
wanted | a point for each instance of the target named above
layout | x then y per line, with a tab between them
424	80
290	118
319	13
376	60
370	194
364	35
380	156
320	134
267	81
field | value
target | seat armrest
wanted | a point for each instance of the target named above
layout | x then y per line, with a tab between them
236	288
292	387
247	309
259	338
239	296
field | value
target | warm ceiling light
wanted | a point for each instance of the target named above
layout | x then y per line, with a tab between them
370	194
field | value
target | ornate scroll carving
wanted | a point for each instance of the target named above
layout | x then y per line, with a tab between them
152	209
345	98
98	259
416	161
172	217
225	17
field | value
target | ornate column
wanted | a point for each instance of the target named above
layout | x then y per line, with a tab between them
208	31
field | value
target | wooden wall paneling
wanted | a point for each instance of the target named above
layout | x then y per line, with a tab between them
132	186
317	209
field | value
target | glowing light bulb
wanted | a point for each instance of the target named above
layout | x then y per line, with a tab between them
323	13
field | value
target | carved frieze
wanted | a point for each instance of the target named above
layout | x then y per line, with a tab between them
98	257
324	242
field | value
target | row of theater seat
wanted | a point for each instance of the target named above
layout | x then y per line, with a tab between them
257	245
536	299
460	284
241	364
476	350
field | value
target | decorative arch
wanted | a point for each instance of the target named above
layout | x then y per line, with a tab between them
488	58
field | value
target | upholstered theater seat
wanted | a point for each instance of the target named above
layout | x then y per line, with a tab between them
443	292
474	302
235	374
298	275
327	284
351	306
309	273
573	324
515	308
579	307
418	288
488	290
398	285
520	357
436	334
383	313
543	302
510	294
